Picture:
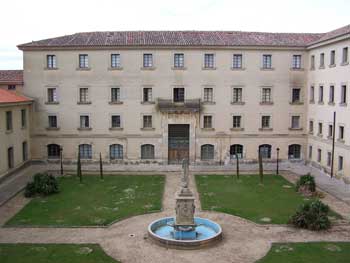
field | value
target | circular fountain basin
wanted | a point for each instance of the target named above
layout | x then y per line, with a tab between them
208	233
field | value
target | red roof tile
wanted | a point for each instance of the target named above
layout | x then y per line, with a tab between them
11	76
7	96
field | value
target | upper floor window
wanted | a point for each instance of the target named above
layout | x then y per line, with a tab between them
322	60
319	155
208	95
341	133
179	94
84	95
330	131
311	127
295	122
147	60
331	94
11	87
343	99
237	122
267	61
265	122
9	125
312	94
209	61
147	121
115	94
10	158
53	121
345	56
51	62
179	60
296	63
312	66
23	118
320	94
115	61
207	122
237	61
296	95
84	121
115	121
147	95
83	61
340	163
52	95
320	128
332	58
237	95
266	95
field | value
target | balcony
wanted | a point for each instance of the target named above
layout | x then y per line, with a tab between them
187	106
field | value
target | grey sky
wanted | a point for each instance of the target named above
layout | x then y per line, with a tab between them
23	21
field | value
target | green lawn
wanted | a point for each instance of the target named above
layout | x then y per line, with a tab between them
53	253
249	199
94	202
322	252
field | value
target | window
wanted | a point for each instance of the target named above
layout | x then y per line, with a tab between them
179	94
310	152
237	61
267	61
83	61
265	151
51	61
294	151
115	94
236	150
147	121
343	95
84	122
147	151
11	87
237	95
115	61
237	121
24	151
340	163
322	60
52	95
312	62
295	122
85	151
341	133
265	122
266	95
345	56
331	94
84	95
53	151
207	152
10	158
52	121
23	118
179	60
9	120
208	95
320	94
116	152
329	158
208	60
312	94
311	127
296	95
207	122
330	131
320	129
296	64
332	58
147	95
319	155
115	121
147	60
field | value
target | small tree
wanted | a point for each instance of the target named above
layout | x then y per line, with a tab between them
101	167
261	168
79	168
237	166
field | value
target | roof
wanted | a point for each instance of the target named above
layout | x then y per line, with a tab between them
11	76
334	33
7	97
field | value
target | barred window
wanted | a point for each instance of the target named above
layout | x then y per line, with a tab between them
265	151
237	121
84	95
208	95
237	61
11	87
23	118
267	61
179	94
51	61
208	60
266	95
84	121
237	95
115	121
147	121
147	95
115	94
83	61
294	151
53	151
296	95
147	60
207	152
179	60
265	122
116	151
115	61
85	151
295	122
147	151
207	121
52	95
236	150
52	121
296	64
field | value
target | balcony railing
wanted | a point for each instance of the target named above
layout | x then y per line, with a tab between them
187	106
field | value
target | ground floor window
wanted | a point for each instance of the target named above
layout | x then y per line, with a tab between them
147	151
85	151
53	151
116	151
10	156
207	152
294	151
236	149
265	151
24	151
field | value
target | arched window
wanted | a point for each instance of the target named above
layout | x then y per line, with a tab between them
265	151
85	151
294	151
236	149
207	152
116	151
53	151
147	151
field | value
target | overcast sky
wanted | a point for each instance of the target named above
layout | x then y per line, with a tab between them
22	21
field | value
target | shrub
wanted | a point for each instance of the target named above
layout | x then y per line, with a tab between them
43	184
311	215
306	182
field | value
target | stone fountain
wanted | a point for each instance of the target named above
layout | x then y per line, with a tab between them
185	231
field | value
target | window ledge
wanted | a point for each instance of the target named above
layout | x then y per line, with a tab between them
83	69
343	104
116	128
332	65
331	103
24	128
320	135
341	140
237	69
237	129
50	69
267	69
320	103
83	103
312	69
204	68
344	64
237	103
321	67
147	129
265	129
84	129
296	103
178	68
297	69
311	102
147	102
208	102
266	103
52	128
52	103
329	137
311	133
9	131
295	129
115	102
115	69
208	129
147	68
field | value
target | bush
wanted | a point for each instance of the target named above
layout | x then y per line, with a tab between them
43	184
307	182
312	215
